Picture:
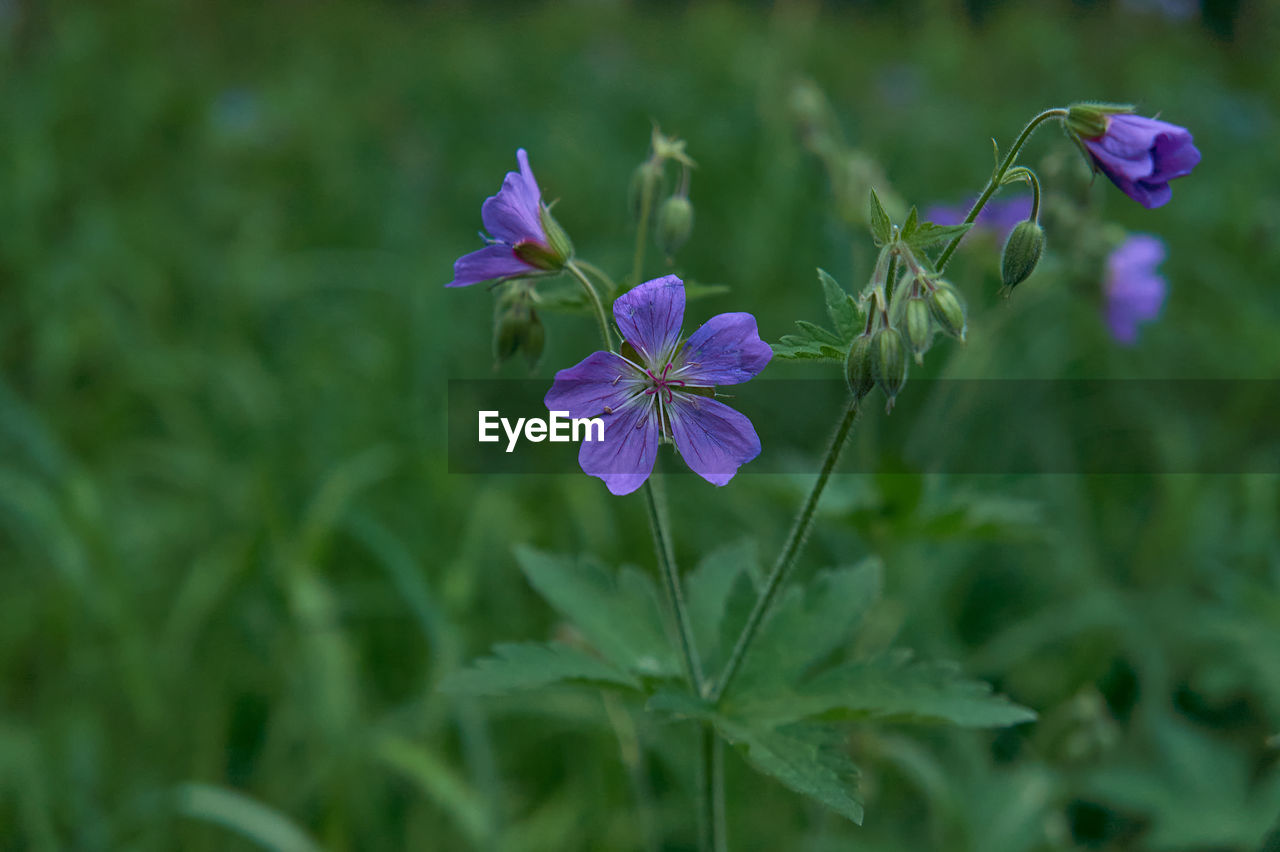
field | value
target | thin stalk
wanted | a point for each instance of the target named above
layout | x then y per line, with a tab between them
787	558
712	833
671	579
642	230
604	277
996	178
601	320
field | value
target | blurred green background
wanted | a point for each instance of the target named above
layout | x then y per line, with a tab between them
233	564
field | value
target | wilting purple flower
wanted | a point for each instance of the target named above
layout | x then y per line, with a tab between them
524	240
665	392
998	216
1141	155
1134	292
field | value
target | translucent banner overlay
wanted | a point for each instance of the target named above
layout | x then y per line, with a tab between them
938	426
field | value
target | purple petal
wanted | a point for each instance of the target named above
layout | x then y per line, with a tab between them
649	316
515	213
1175	155
726	350
1134	291
713	439
488	264
624	459
600	381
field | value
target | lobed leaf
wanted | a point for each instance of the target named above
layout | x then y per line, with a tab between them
522	666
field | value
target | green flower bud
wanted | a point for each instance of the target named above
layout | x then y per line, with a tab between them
1021	253
857	367
535	338
1090	120
509	332
948	309
561	245
918	323
889	362
675	224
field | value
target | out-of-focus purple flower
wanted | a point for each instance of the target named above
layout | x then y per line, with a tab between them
665	392
1133	291
997	217
1141	155
524	239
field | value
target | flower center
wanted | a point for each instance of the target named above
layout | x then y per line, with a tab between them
662	384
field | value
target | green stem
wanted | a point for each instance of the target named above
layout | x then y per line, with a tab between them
712	833
996	178
642	230
671	579
599	273
787	558
601	319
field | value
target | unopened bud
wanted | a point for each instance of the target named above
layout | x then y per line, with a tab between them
947	308
1021	253
509	332
919	326
561	245
1090	120
535	338
889	363
857	367
675	224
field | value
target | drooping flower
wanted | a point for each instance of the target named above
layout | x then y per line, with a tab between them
998	216
659	388
1133	291
1140	155
525	240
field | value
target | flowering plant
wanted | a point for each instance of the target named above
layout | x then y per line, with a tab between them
750	659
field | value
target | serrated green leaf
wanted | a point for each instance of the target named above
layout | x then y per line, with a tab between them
881	228
889	688
793	347
928	234
841	307
808	624
679	704
809	759
521	666
818	333
708	589
737	609
910	224
619	614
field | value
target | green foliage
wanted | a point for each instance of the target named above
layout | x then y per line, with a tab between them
817	343
515	667
620	616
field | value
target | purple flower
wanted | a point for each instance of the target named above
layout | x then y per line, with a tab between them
525	239
1141	155
998	215
662	389
1134	291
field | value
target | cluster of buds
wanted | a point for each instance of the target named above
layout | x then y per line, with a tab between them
673	218
516	327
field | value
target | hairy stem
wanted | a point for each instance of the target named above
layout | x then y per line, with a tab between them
601	319
996	178
787	558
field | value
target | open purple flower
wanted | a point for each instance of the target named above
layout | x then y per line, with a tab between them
525	239
1141	155
659	389
1134	291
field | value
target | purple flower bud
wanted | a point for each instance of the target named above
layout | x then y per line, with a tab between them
1134	292
1141	155
525	241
